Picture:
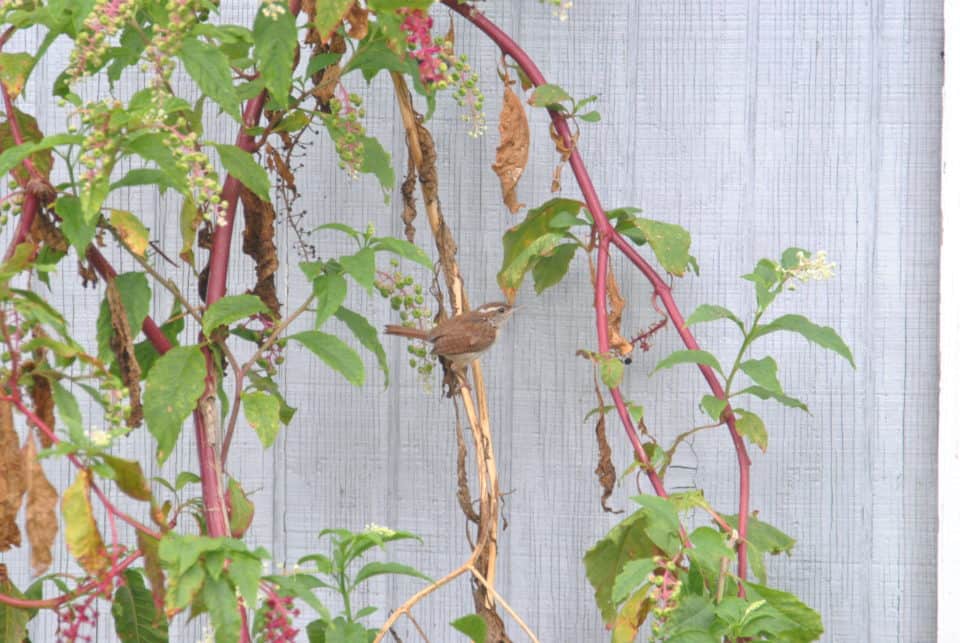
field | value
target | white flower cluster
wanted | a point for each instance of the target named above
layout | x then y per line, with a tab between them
815	268
374	528
273	9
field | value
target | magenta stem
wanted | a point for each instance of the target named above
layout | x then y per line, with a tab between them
663	291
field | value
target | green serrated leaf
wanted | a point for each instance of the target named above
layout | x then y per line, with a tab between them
374	55
210	69
473	626
221	602
135	616
174	385
821	335
330	289
368	336
329	16
335	353
799	623
633	575
262	411
709	312
684	356
274	47
322	60
663	523
69	412
230	309
625	542
710	549
405	249
241	165
670	242
129	477
714	406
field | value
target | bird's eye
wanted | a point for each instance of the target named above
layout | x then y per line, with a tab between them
501	309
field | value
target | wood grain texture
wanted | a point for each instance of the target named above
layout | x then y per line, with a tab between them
757	125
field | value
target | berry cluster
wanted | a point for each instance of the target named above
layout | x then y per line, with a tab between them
666	586
105	19
99	148
406	297
10	203
202	180
278	619
166	40
74	617
440	67
343	123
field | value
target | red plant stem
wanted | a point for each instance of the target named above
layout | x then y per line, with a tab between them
607	235
49	603
15	130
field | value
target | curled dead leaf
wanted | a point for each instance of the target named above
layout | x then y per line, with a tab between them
41	511
617	303
606	472
13	479
121	343
564	152
358	18
258	242
513	152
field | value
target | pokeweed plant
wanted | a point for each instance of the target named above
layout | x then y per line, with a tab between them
281	79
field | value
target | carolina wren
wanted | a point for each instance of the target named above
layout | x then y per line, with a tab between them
463	338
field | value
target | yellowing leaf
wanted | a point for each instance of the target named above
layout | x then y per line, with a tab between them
131	230
13	72
83	537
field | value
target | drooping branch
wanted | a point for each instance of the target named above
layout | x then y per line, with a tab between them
662	290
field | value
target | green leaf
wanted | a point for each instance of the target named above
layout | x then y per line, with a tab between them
377	568
241	165
262	411
750	426
473	626
590	117
14	69
765	276
69	412
709	550
663	523
335	353
13	620
801	622
322	60
763	372
144	176
329	16
79	231
129	477
611	371
670	242
549	270
232	308
684	356
330	289
221	602
762	539
274	45
241	509
821	335
714	406
376	161
362	267
404	249
625	542
210	69
633	575
182	588
174	385
368	336
765	394
550	96
136	618
374	55
708	313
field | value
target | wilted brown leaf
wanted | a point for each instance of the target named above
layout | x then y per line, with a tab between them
41	511
258	233
358	19
44	232
121	343
513	151
564	153
606	472
42	398
408	196
13	479
617	341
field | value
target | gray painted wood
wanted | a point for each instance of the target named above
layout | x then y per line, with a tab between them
757	125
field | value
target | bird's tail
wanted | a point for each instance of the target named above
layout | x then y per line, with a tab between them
405	331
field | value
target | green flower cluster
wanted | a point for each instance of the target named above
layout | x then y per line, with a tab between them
346	130
105	19
406	297
460	77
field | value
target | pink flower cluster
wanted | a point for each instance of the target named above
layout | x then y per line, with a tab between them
418	25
